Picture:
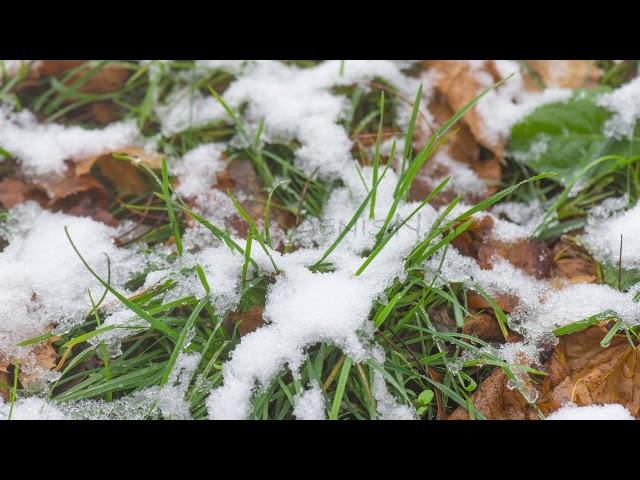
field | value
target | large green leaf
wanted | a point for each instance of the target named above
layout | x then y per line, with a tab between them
565	137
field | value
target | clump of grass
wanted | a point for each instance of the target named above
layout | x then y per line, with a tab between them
434	370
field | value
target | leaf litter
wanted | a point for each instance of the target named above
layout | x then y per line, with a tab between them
251	251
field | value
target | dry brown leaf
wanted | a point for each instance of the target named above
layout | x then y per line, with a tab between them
46	192
567	73
126	178
583	372
458	83
462	144
248	321
505	301
14	191
483	326
108	79
573	263
58	188
44	358
530	255
496	401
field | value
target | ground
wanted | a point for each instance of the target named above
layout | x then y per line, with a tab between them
319	239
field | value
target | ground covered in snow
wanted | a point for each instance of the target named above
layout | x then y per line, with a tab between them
319	240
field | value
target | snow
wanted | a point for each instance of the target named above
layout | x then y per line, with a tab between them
310	404
387	407
222	268
624	102
514	221
171	397
31	408
462	177
295	103
197	173
611	411
44	282
198	170
41	149
304	308
603	237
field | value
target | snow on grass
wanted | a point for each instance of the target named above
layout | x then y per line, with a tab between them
611	411
197	173
577	302
44	282
624	102
302	309
198	170
309	405
31	408
542	307
42	149
222	268
603	237
305	308
295	103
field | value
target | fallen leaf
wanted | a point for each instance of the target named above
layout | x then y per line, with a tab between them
442	319
483	326
248	321
42	359
581	371
57	188
469	242
505	301
496	401
567	73
104	112
462	145
14	191
5	379
107	79
459	83
530	255
126	178
573	263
